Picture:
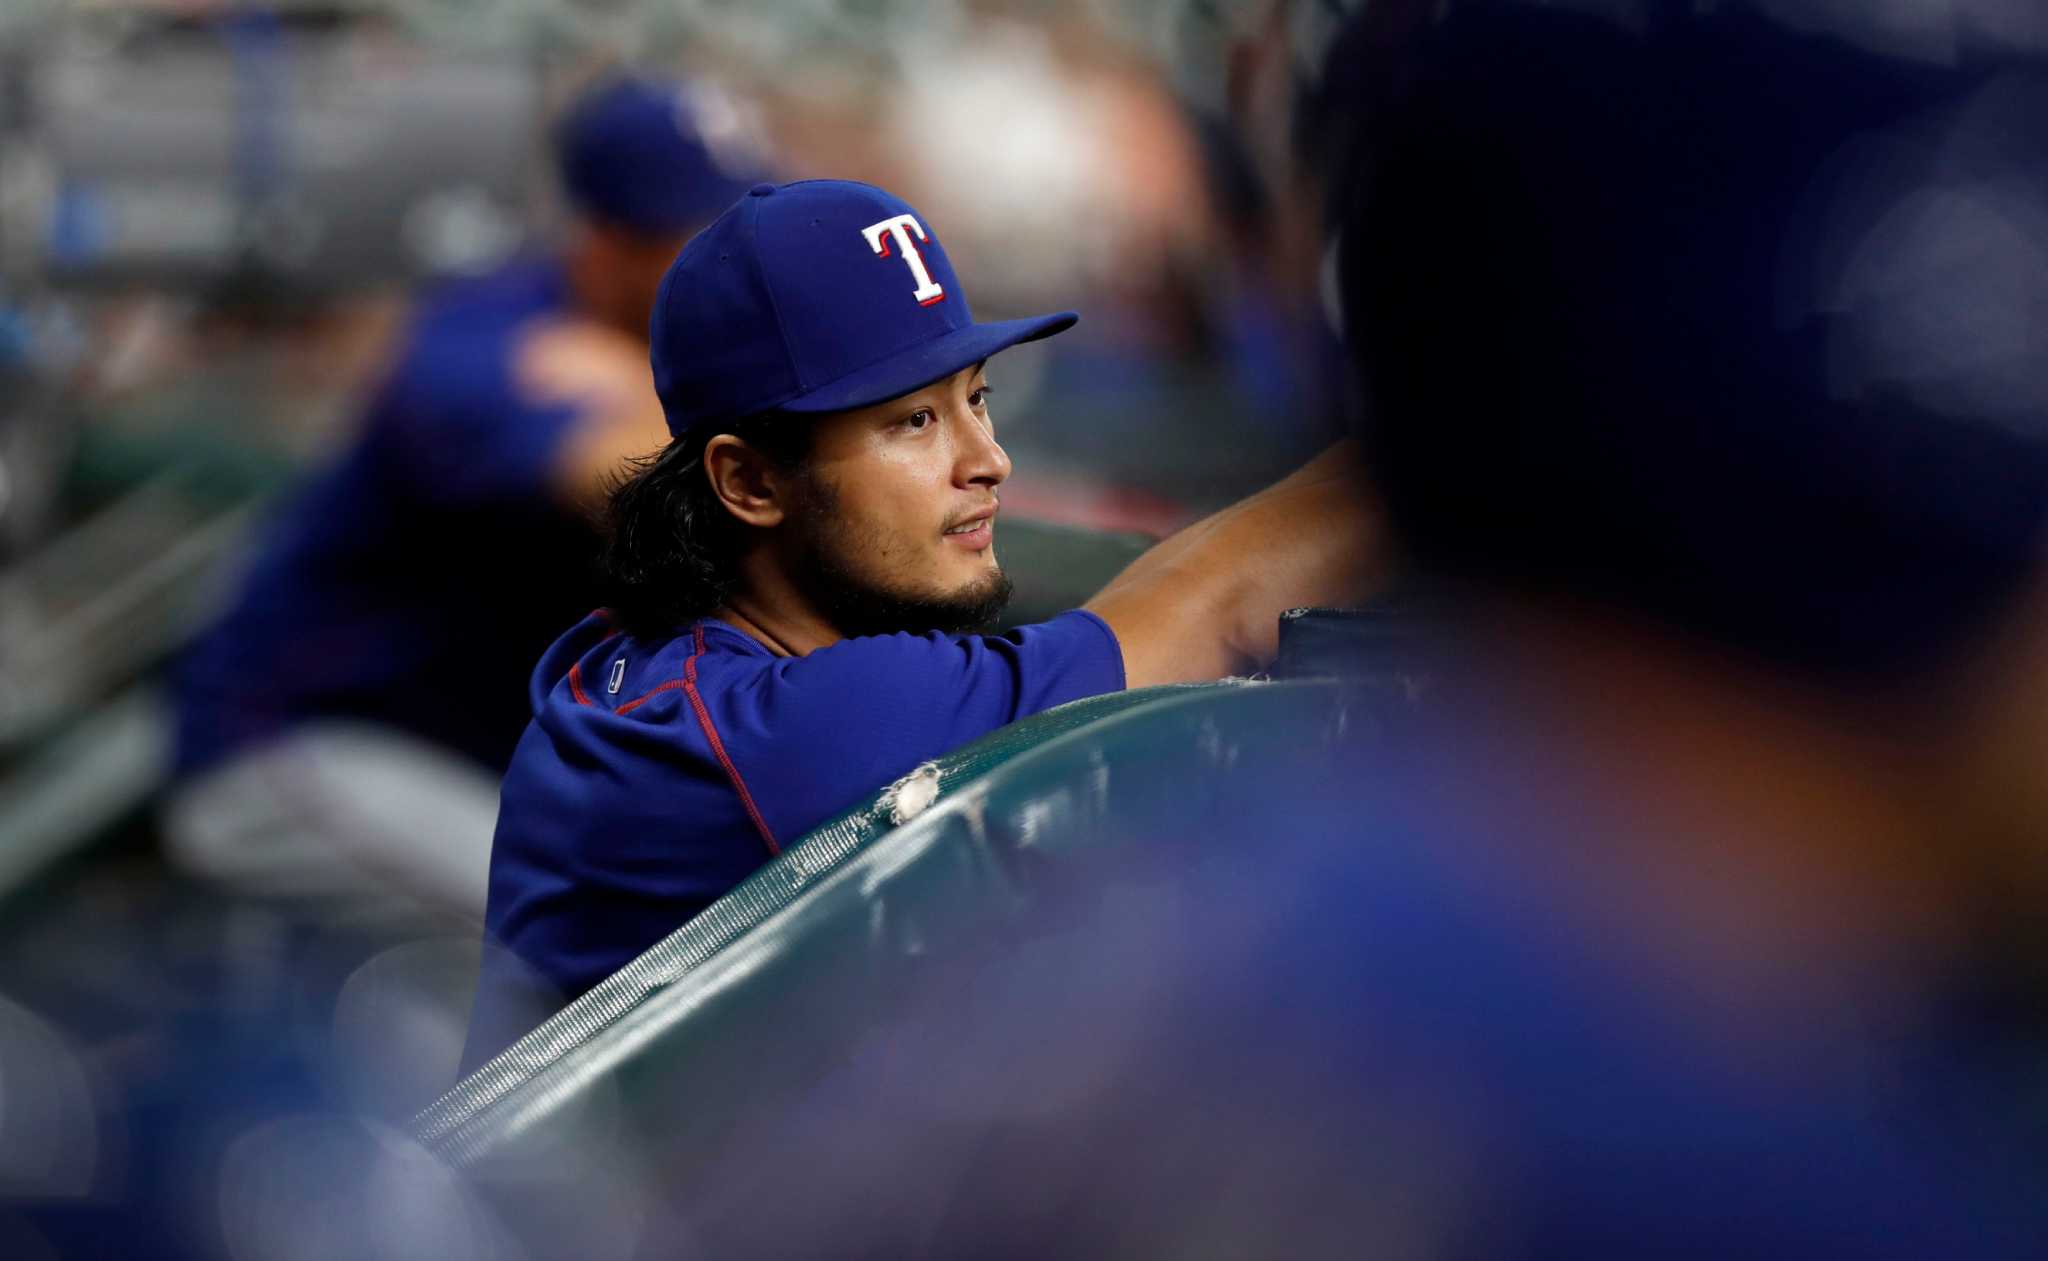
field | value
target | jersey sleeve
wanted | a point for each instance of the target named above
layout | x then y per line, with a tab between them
459	432
816	735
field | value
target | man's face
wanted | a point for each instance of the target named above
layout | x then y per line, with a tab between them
894	527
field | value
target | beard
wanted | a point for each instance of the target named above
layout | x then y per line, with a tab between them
859	605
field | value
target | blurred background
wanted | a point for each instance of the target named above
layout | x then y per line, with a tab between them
216	218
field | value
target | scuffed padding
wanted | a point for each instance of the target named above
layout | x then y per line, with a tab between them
442	1125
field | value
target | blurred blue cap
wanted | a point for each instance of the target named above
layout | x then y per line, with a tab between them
816	296
632	154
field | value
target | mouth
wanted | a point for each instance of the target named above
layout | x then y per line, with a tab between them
975	533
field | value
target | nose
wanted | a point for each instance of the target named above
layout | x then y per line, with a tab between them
978	459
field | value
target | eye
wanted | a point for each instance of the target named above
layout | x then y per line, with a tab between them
919	420
979	399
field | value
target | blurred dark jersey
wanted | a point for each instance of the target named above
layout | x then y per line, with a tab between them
416	580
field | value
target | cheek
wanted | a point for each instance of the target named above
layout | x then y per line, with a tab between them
872	530
916	470
903	494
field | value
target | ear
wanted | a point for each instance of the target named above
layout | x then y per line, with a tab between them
746	482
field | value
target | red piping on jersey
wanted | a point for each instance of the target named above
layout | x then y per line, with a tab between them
689	685
652	692
576	667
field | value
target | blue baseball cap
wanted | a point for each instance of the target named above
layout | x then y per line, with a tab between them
631	153
816	296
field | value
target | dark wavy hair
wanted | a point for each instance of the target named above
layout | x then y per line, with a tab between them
671	550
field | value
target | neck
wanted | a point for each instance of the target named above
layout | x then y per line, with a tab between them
595	302
592	273
769	608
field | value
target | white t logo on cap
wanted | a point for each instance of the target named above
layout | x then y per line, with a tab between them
901	226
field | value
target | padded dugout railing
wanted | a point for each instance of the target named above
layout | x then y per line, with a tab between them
453	1123
668	1053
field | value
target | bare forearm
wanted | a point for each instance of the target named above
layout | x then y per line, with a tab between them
1205	602
1315	543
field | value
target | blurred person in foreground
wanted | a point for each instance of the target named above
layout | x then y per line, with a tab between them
1695	912
341	728
795	585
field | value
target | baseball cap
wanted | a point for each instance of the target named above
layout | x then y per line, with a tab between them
632	153
816	296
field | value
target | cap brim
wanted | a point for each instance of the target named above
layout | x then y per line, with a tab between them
921	365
